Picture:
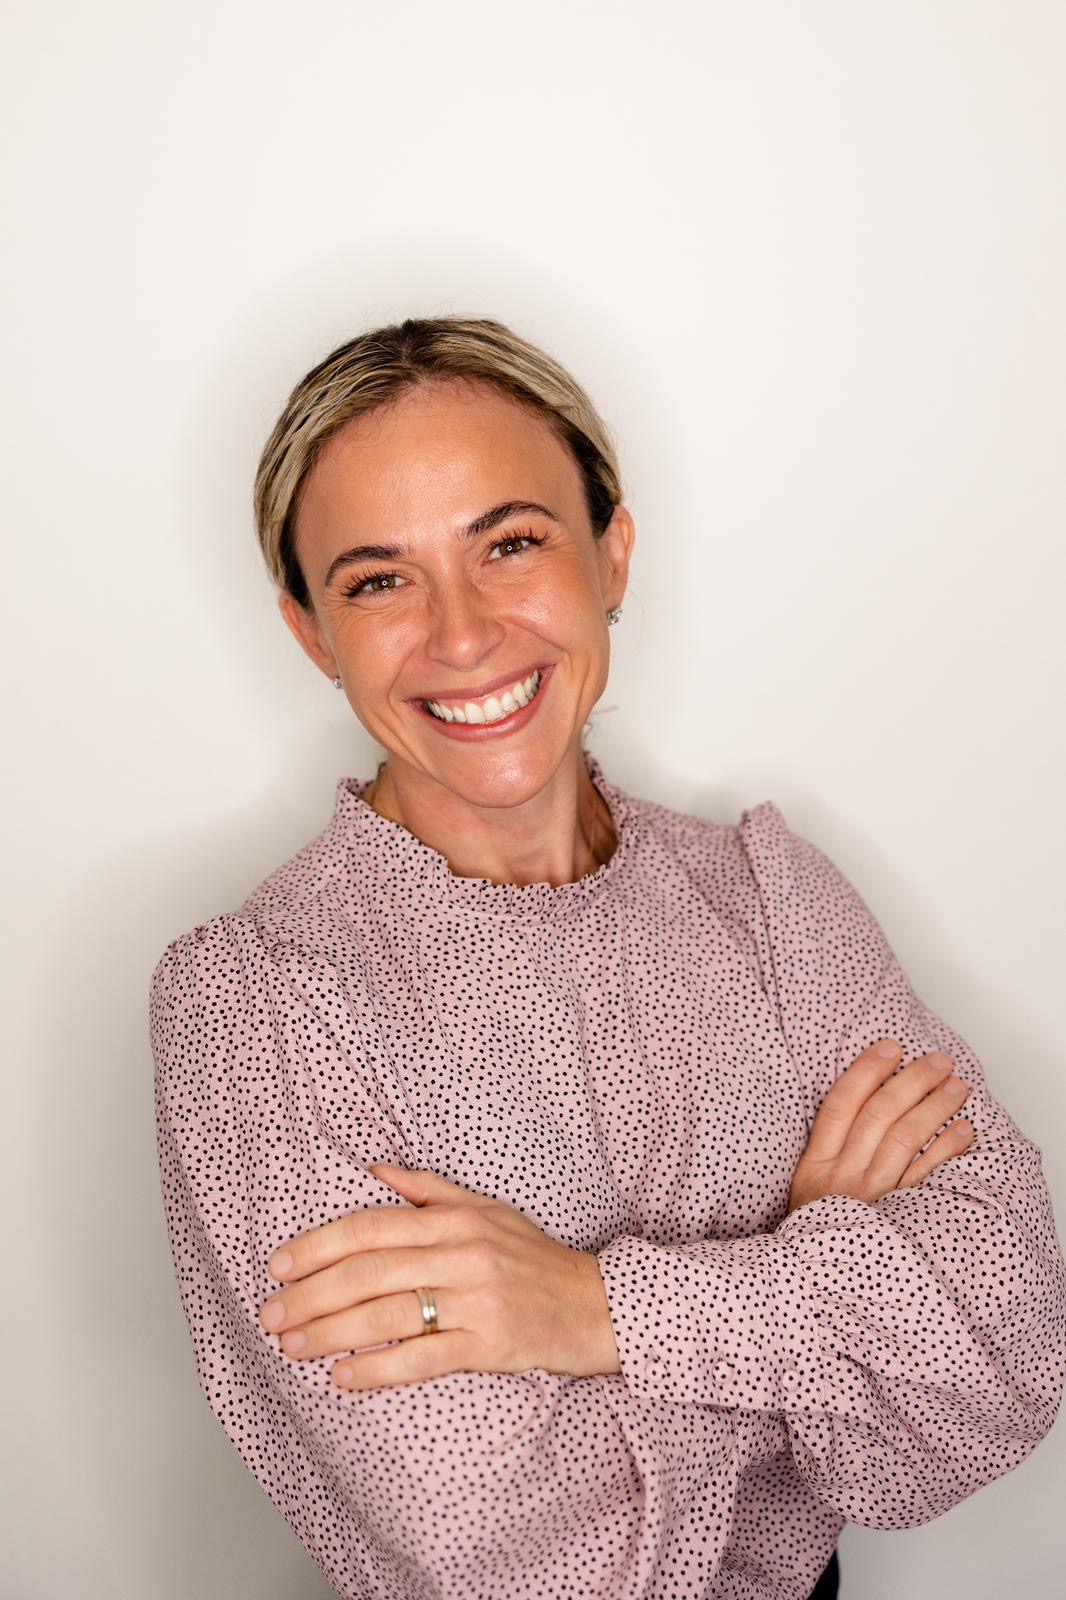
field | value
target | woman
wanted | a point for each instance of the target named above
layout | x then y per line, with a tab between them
631	1111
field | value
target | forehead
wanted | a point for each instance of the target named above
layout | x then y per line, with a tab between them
435	447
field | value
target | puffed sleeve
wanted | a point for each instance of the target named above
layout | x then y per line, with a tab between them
915	1348
472	1484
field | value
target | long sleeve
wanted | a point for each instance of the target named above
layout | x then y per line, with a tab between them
913	1350
472	1484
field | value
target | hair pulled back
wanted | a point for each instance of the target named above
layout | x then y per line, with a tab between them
376	367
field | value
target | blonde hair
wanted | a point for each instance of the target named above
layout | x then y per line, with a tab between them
369	371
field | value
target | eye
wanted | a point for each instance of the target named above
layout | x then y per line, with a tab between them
360	583
517	538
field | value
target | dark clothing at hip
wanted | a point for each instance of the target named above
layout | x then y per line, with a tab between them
828	1584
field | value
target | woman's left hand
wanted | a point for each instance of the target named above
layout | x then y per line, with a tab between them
509	1298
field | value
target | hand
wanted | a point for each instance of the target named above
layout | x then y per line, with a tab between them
508	1297
867	1129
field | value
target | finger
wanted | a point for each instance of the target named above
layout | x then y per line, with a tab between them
427	1188
373	1228
362	1277
952	1142
374	1322
844	1100
887	1104
905	1138
322	1246
429	1356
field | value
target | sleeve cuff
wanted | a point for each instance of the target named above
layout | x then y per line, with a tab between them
717	1322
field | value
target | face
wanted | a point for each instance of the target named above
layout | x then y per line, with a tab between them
461	599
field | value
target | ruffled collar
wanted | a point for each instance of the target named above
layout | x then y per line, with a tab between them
393	858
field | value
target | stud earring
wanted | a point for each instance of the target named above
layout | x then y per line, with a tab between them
337	683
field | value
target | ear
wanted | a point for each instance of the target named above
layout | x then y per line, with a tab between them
615	546
305	629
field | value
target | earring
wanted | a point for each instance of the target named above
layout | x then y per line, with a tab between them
337	683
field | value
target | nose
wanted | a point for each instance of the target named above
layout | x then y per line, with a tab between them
462	627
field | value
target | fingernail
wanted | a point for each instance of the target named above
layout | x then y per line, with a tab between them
954	1082
888	1049
273	1315
291	1343
280	1263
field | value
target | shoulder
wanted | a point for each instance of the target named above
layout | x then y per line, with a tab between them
800	884
781	859
299	905
726	852
231	1006
756	871
209	965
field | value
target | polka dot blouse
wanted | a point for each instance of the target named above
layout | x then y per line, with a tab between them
634	1060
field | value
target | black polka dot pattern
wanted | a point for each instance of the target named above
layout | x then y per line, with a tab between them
634	1060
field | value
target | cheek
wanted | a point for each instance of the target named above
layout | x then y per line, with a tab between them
370	668
566	603
372	646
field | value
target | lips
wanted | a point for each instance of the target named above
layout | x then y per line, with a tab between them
476	732
459	696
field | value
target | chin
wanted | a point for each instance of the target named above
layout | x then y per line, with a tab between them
502	777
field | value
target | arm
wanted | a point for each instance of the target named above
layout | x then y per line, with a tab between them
915	1347
473	1484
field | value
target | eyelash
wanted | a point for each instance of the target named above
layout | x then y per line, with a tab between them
357	584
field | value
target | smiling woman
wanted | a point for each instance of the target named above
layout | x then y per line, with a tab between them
636	1114
480	472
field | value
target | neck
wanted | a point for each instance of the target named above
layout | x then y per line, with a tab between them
561	835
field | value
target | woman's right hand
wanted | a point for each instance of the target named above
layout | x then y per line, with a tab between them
872	1123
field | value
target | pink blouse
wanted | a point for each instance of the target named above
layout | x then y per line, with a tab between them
634	1060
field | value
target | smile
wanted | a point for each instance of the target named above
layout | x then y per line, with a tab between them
491	707
487	716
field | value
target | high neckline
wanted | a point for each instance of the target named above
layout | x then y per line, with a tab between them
394	856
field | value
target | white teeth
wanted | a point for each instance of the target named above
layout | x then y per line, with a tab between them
492	708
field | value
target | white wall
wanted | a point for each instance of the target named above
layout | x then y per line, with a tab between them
808	259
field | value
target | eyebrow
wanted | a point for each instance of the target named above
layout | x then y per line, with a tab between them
472	530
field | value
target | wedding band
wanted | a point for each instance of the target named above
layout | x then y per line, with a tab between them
429	1310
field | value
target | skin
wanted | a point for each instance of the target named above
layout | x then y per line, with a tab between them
517	808
873	1122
